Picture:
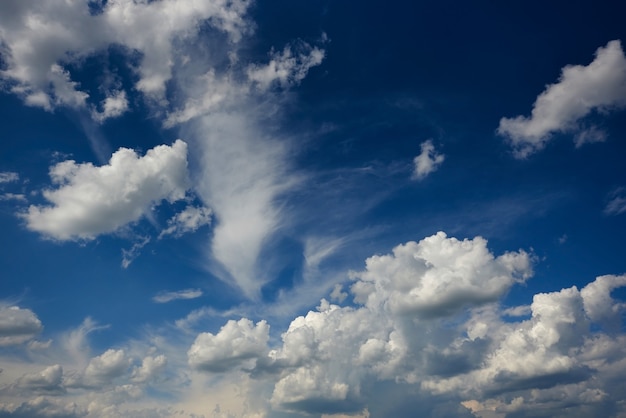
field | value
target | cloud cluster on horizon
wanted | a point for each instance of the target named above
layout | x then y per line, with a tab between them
425	320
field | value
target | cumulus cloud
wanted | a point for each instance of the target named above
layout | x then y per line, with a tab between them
17	325
428	161
236	344
91	200
439	275
149	369
39	38
426	322
44	407
164	297
599	86
47	381
113	106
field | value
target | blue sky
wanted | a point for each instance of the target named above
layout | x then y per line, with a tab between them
251	209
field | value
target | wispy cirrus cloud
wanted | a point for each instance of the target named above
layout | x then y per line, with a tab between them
165	297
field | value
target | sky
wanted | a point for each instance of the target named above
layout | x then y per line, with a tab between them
238	208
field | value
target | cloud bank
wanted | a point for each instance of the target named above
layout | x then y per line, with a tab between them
421	326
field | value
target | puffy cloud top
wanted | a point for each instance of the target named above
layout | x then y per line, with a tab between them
17	325
439	275
91	200
236	341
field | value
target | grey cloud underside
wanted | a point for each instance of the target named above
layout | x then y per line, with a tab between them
453	345
424	328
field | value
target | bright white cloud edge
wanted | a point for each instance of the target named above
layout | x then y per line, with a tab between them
599	86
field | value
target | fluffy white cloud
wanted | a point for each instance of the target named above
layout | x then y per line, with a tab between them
17	325
149	369
93	200
164	297
189	220
234	345
39	37
428	161
600	86
439	275
427	321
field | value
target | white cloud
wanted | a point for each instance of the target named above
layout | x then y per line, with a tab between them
13	196
113	106
43	407
17	325
189	220
439	275
164	297
8	177
49	380
428	161
599	86
563	352
149	369
617	202
91	200
128	256
39	37
236	344
101	370
241	179
286	68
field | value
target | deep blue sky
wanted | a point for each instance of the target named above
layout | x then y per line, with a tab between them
302	125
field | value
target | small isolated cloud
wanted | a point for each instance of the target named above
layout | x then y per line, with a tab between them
8	177
286	68
17	325
113	106
18	197
599	86
128	256
164	297
236	344
617	202
189	220
427	162
91	200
